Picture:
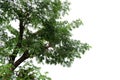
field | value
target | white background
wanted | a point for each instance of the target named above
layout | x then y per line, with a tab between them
101	30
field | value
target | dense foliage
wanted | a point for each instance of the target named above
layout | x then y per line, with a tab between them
40	33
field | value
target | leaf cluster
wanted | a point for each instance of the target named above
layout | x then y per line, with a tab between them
41	33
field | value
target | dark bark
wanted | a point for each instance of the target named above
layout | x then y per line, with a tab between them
19	44
25	56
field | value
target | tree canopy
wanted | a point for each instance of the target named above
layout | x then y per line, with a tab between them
40	33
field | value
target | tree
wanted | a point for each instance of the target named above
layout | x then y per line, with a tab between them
41	34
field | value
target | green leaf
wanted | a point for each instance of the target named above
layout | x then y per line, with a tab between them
42	36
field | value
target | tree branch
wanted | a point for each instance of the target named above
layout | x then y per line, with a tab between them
21	59
19	44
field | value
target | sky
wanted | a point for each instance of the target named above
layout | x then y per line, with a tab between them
101	30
